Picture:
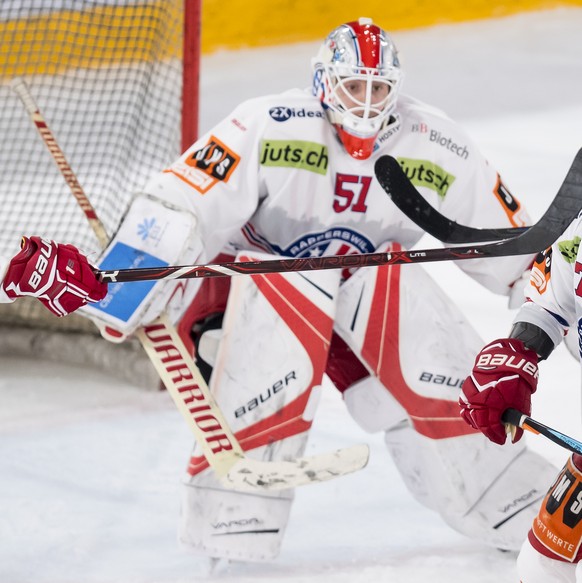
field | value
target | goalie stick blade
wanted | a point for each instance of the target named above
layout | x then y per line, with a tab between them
405	196
249	475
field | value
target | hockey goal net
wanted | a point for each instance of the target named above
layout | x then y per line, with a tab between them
117	82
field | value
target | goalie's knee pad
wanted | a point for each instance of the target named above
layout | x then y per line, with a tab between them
409	335
372	407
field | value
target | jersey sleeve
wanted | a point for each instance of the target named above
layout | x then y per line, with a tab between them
479	198
217	177
555	285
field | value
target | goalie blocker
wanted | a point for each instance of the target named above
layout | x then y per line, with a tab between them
153	233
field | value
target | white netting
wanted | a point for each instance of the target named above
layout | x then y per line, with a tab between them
107	77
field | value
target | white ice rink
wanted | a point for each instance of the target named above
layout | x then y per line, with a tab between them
90	468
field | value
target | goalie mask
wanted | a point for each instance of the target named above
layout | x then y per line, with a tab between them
356	74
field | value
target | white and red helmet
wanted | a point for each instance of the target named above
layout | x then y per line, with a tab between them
357	55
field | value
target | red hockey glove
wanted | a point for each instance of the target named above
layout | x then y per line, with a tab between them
57	274
504	376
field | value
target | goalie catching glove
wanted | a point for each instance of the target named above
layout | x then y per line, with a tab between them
504	376
58	275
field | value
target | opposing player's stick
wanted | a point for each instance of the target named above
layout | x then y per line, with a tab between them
519	419
405	196
563	209
186	385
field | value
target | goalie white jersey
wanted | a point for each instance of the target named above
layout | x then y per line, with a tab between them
272	179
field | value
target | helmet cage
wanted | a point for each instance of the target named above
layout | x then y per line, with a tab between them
363	113
357	77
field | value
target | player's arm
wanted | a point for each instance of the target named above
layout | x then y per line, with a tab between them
477	195
505	374
58	275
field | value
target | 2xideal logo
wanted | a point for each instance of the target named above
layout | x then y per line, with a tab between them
283	113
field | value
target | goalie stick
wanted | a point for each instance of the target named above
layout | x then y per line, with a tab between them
407	198
538	237
519	419
186	385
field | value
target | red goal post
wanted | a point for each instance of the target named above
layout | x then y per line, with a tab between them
118	83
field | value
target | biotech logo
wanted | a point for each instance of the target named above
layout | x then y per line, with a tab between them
295	154
447	143
282	113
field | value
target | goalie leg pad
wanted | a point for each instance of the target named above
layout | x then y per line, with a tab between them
372	407
420	347
487	492
233	525
268	370
409	335
221	523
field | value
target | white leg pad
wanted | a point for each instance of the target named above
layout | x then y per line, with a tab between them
372	407
482	490
269	360
233	525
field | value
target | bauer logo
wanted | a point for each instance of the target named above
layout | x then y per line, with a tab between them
282	113
215	162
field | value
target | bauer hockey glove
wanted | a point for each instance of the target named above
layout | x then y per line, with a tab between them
504	376
58	275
